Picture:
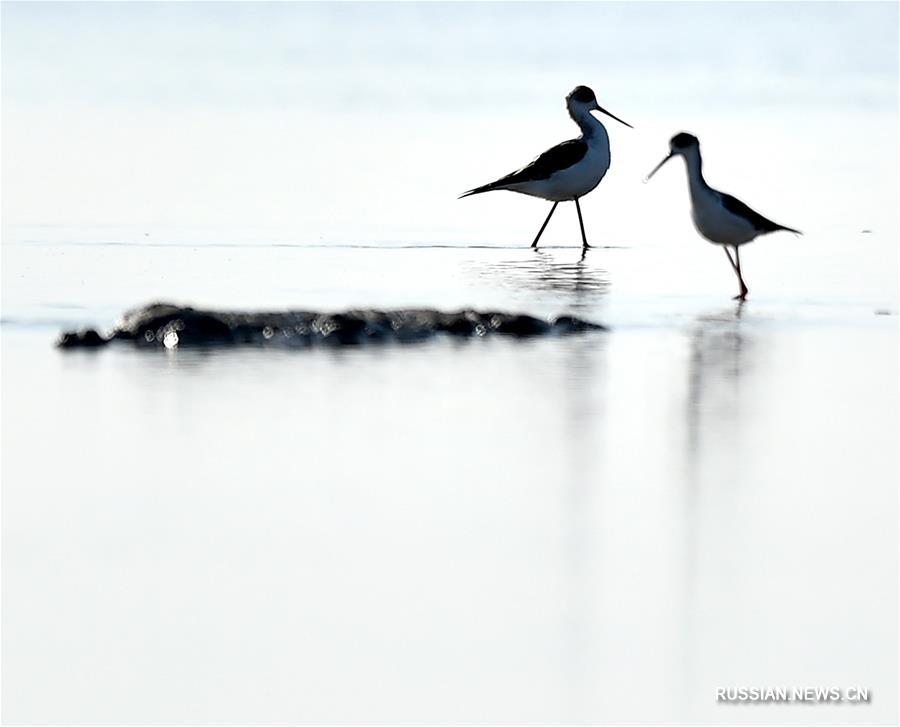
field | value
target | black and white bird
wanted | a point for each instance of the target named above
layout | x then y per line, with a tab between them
569	170
722	219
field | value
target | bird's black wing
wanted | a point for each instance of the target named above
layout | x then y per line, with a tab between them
763	224
562	156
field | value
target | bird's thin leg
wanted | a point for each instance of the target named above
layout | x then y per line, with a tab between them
581	222
744	289
730	259
736	270
544	226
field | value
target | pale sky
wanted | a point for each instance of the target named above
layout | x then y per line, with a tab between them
346	120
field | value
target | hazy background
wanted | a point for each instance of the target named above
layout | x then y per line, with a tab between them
334	121
604	528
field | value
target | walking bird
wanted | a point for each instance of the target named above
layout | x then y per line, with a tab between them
722	219
569	170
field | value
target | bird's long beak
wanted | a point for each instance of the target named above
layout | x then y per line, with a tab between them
604	111
657	167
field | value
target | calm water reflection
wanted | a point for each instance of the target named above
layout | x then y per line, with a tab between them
720	351
578	283
595	508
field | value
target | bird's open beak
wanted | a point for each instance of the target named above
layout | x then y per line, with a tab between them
604	111
657	167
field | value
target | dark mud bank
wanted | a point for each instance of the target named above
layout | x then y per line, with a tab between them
163	325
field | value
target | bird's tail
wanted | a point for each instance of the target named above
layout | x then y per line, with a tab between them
483	188
787	229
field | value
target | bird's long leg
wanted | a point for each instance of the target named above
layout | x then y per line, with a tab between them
730	259
544	226
744	289
584	241
737	271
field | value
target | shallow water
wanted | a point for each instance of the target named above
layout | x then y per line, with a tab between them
599	528
497	531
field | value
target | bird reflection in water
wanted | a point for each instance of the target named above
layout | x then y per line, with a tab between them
579	283
720	352
717	358
558	279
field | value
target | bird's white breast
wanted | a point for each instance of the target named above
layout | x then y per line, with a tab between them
715	222
572	182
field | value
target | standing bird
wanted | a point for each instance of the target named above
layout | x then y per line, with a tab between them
569	170
719	217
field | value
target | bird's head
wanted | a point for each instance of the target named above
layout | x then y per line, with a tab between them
581	100
681	144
